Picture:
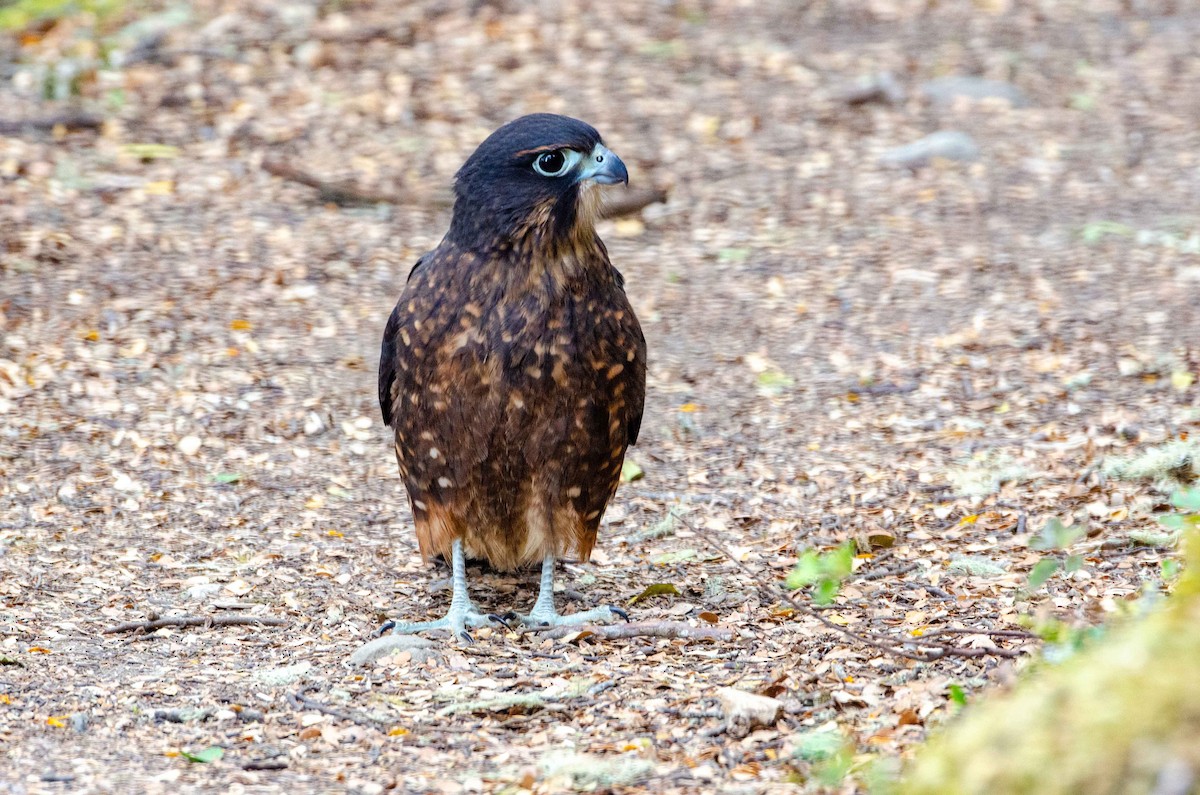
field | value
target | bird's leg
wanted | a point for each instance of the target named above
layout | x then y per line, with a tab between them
543	613
462	613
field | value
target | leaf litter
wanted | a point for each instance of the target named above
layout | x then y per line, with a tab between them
186	387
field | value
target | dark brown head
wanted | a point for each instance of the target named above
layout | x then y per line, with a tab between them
532	179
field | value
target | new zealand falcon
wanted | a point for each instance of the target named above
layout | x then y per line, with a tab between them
513	369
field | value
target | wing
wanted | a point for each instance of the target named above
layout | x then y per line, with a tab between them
387	353
636	388
439	389
635	380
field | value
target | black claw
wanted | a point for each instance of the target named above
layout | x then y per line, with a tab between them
620	612
511	615
389	624
502	620
465	637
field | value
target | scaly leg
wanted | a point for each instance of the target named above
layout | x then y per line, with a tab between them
462	613
543	613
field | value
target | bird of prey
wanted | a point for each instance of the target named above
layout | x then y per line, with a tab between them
513	369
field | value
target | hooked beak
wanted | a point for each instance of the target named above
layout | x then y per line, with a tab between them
603	167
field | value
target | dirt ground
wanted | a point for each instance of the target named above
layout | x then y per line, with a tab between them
933	361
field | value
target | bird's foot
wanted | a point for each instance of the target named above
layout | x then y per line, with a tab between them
541	617
457	621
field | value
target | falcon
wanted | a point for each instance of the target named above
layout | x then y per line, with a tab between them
513	368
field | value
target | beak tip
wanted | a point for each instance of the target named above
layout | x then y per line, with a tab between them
609	170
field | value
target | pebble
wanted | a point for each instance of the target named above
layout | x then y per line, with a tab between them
882	87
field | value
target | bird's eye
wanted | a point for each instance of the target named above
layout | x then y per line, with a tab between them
550	164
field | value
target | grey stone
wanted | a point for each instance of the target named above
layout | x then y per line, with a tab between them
944	90
881	87
948	144
420	648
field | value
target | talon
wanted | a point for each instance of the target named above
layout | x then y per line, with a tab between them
620	612
389	624
511	615
501	619
465	637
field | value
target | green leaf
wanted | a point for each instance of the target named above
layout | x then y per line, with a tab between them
226	477
806	572
1056	535
840	562
630	471
824	570
658	589
957	695
1044	569
825	592
1073	563
209	754
819	744
1170	569
1187	499
833	771
1172	521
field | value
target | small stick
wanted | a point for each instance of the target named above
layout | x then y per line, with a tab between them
196	621
72	120
342	192
299	700
894	570
638	629
265	764
996	633
936	591
632	201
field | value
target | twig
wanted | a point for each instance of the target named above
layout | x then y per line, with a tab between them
632	201
347	192
874	390
889	572
299	700
885	643
936	591
71	120
638	629
996	633
265	764
342	192
196	621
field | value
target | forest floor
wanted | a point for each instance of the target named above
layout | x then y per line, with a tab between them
934	361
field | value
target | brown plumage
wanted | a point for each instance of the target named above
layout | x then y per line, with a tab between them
513	367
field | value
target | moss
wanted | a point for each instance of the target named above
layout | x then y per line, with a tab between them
1168	465
1110	720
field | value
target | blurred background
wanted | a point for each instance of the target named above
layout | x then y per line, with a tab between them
916	261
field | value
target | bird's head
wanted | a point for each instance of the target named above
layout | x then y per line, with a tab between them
531	183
